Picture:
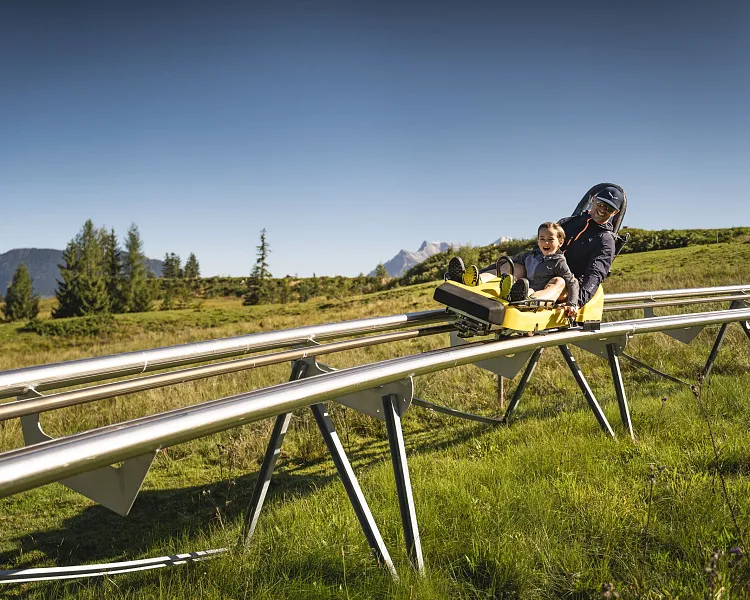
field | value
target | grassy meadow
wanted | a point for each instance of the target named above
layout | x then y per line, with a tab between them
547	507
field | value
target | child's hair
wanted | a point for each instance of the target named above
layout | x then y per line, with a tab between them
555	227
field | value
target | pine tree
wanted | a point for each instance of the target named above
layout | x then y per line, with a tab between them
192	268
381	273
67	289
112	270
20	300
137	284
83	288
92	287
258	290
172	268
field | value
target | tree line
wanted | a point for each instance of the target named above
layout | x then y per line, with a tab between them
97	276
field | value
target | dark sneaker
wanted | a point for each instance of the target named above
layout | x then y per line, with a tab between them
519	291
455	270
471	276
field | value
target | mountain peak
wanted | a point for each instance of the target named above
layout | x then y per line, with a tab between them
405	260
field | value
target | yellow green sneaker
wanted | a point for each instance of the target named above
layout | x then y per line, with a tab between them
506	283
471	276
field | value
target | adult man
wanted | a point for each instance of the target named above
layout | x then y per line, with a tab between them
590	242
589	248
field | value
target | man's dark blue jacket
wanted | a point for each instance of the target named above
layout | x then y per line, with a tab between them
589	249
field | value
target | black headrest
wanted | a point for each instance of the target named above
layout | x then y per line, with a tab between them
585	203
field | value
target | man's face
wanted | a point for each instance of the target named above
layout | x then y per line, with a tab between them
602	212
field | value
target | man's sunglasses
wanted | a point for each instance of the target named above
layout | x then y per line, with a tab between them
607	207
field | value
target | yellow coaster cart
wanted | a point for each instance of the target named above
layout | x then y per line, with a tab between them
481	311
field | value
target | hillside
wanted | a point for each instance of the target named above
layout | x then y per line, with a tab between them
546	508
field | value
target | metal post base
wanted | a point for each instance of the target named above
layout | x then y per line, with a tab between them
588	394
622	401
346	473
528	372
403	481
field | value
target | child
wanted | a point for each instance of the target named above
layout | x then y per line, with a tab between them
542	265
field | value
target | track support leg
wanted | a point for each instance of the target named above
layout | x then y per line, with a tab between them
706	371
588	394
357	499
403	481
264	476
269	463
622	401
528	372
746	328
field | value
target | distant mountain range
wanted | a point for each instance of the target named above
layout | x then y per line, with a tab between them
42	264
405	260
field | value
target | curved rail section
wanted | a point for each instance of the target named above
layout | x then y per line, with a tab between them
383	389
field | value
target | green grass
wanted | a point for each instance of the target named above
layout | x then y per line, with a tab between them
546	508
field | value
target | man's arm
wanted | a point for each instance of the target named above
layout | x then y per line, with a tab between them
597	269
571	283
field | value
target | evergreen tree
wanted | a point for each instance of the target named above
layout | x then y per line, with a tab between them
258	290
113	270
380	272
83	288
67	289
137	280
92	287
172	268
20	300
192	268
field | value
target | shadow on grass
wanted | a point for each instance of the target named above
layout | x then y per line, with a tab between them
158	516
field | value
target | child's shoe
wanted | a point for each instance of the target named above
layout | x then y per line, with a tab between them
471	276
506	284
519	291
455	270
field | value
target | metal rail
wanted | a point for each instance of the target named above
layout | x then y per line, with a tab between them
30	406
59	375
47	377
51	461
679	302
681	293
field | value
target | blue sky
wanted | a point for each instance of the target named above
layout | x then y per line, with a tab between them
350	130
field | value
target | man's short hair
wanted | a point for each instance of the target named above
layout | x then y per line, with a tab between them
555	227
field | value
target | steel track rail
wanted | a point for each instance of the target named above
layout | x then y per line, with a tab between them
48	377
43	463
30	406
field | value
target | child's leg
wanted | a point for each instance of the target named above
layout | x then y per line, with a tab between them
552	291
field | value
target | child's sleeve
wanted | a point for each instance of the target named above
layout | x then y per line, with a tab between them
563	270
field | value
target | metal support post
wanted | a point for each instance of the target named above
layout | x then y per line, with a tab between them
622	401
403	481
269	462
642	365
706	371
264	476
501	391
346	473
588	394
528	372
746	328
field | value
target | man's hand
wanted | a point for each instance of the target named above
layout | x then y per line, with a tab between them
570	311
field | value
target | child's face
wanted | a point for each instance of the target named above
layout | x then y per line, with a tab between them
548	241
